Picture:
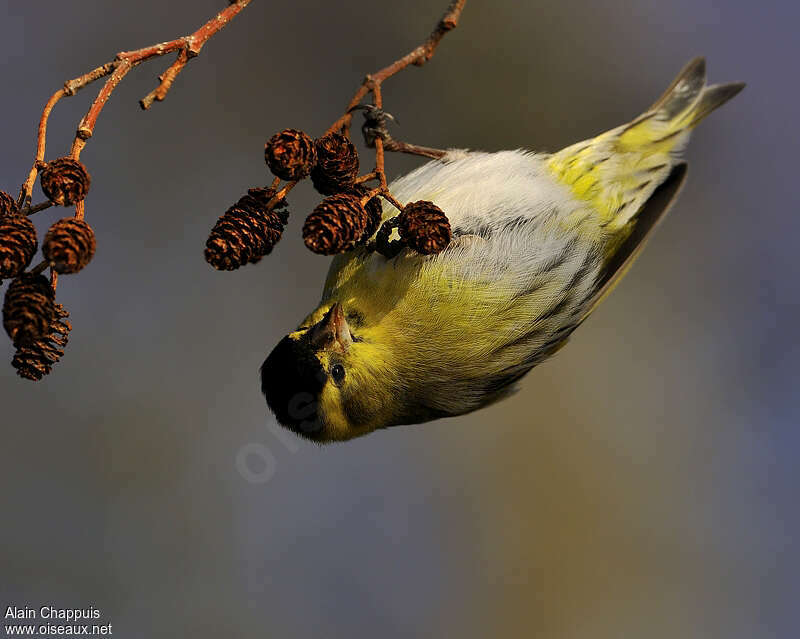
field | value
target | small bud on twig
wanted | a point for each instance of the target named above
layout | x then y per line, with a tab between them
28	309
337	164
69	245
290	154
65	181
424	227
34	359
336	225
247	231
17	244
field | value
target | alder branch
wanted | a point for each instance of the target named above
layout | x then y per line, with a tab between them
372	84
187	48
250	228
417	57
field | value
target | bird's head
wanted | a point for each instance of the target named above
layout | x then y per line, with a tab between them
323	381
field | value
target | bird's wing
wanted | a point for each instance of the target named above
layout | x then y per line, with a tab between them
556	316
644	223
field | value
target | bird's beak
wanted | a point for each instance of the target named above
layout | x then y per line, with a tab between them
332	331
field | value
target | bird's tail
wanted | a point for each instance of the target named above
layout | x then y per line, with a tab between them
618	170
687	101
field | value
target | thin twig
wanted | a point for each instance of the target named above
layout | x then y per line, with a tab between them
380	169
71	87
167	78
386	195
395	146
369	195
372	84
27	187
418	57
37	207
86	125
366	177
186	47
281	194
40	267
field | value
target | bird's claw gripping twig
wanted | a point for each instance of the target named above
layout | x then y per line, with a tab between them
375	127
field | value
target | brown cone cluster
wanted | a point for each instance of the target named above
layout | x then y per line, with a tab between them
336	225
34	359
337	164
8	205
346	218
17	244
69	245
65	181
290	154
247	231
29	308
424	227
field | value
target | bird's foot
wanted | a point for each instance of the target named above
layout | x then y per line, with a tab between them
375	127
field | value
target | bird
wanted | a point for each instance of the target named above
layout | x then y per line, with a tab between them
538	241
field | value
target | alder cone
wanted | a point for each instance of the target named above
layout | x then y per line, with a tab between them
424	227
69	245
65	181
337	164
8	205
247	231
17	244
29	308
290	154
34	359
335	225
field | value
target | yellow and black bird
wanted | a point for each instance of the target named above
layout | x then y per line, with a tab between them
538	241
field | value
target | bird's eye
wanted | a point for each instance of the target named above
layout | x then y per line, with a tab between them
337	373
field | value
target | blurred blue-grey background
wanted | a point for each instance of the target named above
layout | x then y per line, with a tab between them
643	484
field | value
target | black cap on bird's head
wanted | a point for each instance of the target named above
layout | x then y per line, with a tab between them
291	380
292	376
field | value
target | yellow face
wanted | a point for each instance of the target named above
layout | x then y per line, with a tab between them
322	381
